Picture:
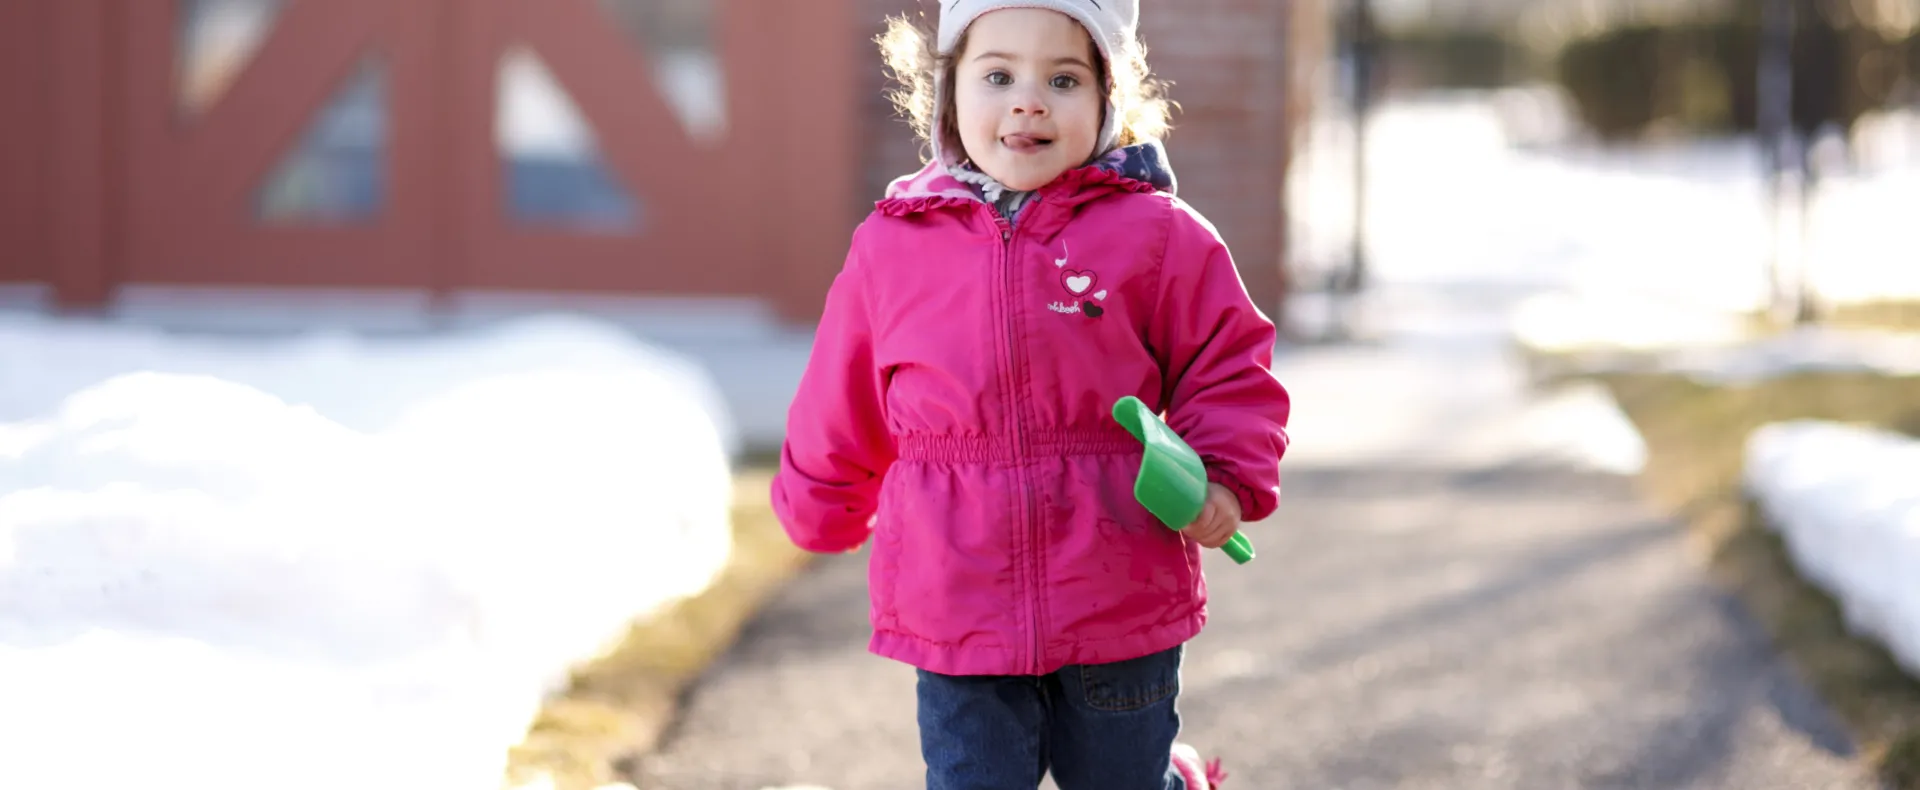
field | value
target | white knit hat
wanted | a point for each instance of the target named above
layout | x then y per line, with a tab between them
1112	24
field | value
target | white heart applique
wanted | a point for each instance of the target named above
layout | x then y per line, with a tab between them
1079	284
1101	295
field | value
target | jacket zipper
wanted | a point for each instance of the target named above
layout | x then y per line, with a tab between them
1030	562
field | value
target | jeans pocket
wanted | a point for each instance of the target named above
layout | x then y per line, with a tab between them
1132	684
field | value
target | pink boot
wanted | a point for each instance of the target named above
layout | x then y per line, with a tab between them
1199	776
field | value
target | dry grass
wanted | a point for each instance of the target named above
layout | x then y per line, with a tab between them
616	707
1877	315
1891	314
1695	435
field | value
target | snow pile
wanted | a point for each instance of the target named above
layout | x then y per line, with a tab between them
1580	424
330	562
1847	502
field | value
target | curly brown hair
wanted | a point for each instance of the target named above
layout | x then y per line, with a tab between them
913	64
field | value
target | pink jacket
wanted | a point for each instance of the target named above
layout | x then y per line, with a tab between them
957	410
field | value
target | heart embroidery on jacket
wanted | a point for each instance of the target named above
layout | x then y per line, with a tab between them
1077	282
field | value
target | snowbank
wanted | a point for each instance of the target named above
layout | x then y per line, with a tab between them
1581	425
327	562
1847	502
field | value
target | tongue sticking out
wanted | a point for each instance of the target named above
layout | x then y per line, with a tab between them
1024	143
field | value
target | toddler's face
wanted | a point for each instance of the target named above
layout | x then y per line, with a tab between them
1026	99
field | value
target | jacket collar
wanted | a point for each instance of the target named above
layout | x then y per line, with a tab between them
1134	168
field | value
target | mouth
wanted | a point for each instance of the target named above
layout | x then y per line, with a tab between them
1026	143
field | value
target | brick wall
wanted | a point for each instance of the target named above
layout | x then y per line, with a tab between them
1227	63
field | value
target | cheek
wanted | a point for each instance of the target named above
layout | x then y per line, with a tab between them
971	107
1088	115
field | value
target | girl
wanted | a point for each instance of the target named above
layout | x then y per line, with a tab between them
957	405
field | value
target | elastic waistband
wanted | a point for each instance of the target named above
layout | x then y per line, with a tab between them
1006	448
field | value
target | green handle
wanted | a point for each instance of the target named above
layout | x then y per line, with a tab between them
1239	548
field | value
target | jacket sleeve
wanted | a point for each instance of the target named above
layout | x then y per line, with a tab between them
1216	350
837	448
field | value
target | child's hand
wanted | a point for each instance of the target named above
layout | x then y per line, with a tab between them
1219	521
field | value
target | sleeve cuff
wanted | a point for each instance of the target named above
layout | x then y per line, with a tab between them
1250	503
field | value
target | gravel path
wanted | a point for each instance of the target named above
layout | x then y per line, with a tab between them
1516	626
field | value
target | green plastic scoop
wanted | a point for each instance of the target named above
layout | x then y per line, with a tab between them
1173	480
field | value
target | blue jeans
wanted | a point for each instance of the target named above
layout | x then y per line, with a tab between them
1097	727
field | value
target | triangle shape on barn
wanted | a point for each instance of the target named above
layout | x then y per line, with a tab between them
215	42
336	170
678	39
553	169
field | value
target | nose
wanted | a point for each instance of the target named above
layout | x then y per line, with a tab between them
1028	100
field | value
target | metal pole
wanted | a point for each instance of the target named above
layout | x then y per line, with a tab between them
1780	149
1364	49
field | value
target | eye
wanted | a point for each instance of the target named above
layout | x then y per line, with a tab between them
1000	78
1065	82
